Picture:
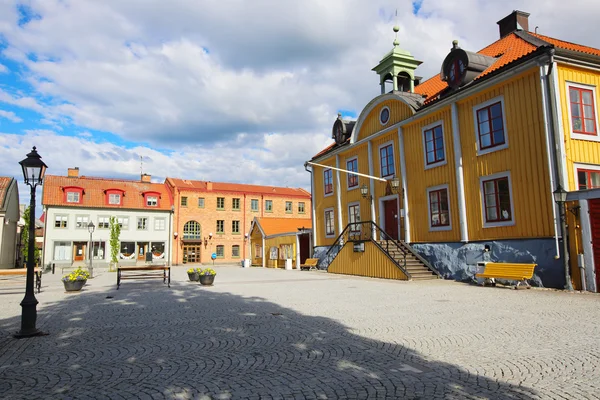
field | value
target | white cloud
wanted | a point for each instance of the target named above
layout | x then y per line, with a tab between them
9	115
3	69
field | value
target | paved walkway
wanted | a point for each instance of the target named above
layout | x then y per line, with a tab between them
300	335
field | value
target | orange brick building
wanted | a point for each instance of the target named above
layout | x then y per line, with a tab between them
215	217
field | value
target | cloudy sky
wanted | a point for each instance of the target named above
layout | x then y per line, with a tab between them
227	90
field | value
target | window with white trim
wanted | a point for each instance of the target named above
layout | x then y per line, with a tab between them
490	126
582	111
160	224
354	217
433	139
328	181
439	208
114	198
288	207
254	205
329	223
497	200
142	223
73	197
588	178
60	221
352	165
386	160
81	221
152	201
123	222
103	222
300	207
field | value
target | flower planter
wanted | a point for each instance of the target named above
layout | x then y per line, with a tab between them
207	280
193	276
74	286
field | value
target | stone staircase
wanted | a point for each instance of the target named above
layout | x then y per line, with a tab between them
414	266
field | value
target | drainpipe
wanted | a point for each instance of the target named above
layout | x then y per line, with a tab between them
312	205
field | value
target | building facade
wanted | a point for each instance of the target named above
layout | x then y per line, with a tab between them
215	217
479	151
142	209
9	218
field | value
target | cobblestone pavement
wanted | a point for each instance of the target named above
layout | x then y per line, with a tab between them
275	334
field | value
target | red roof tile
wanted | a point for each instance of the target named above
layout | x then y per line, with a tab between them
95	196
203	186
567	45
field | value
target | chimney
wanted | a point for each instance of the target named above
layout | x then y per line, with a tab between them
208	185
516	21
73	172
146	178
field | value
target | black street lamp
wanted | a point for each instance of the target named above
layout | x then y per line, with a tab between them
560	197
91	228
33	174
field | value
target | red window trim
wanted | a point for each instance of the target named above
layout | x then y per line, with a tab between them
72	189
489	121
108	192
439	213
328	186
393	172
435	149
498	210
352	179
587	178
147	194
580	106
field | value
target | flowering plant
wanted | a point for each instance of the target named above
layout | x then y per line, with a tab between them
207	271
193	270
77	275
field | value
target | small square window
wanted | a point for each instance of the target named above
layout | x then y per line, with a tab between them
73	197
142	223
60	221
114	199
81	221
152	201
123	222
103	222
159	224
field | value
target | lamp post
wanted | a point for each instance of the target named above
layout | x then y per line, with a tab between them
91	228
33	175
560	197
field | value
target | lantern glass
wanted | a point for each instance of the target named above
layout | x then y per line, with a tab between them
560	195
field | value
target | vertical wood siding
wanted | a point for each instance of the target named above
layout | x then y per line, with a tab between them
399	111
276	242
322	202
383	188
420	179
372	263
525	158
353	195
577	151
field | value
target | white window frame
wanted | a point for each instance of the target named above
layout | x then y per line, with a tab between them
137	225
389	115
581	136
125	222
426	128
325	211
512	202
267	208
439	228
588	167
74	194
157	225
353	204
478	107
257	205
149	201
64	218
303	207
391	142
112	196
350	174
103	218
85	224
291	210
201	202
332	183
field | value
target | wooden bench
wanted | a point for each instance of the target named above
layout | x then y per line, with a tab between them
509	271
145	272
309	263
23	272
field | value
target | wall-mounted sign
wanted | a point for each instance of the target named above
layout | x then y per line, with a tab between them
273	253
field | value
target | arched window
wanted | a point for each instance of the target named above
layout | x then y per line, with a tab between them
404	82
192	230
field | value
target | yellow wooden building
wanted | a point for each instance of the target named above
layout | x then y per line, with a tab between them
274	241
478	152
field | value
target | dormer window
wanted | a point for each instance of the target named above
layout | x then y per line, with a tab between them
72	194
151	199
114	197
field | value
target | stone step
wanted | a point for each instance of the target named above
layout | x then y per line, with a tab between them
424	278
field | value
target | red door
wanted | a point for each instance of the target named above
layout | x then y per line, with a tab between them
390	213
595	225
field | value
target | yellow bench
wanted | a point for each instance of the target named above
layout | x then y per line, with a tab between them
309	263
509	271
37	272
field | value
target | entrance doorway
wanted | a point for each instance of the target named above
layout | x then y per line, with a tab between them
142	249
595	227
79	249
390	218
304	240
191	253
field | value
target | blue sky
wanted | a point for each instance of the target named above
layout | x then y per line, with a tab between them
205	90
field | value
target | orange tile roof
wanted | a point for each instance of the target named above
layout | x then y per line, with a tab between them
567	45
4	185
183	184
276	226
94	195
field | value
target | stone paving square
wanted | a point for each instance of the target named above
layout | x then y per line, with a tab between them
276	334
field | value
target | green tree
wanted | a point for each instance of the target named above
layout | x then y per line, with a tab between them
115	232
25	237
